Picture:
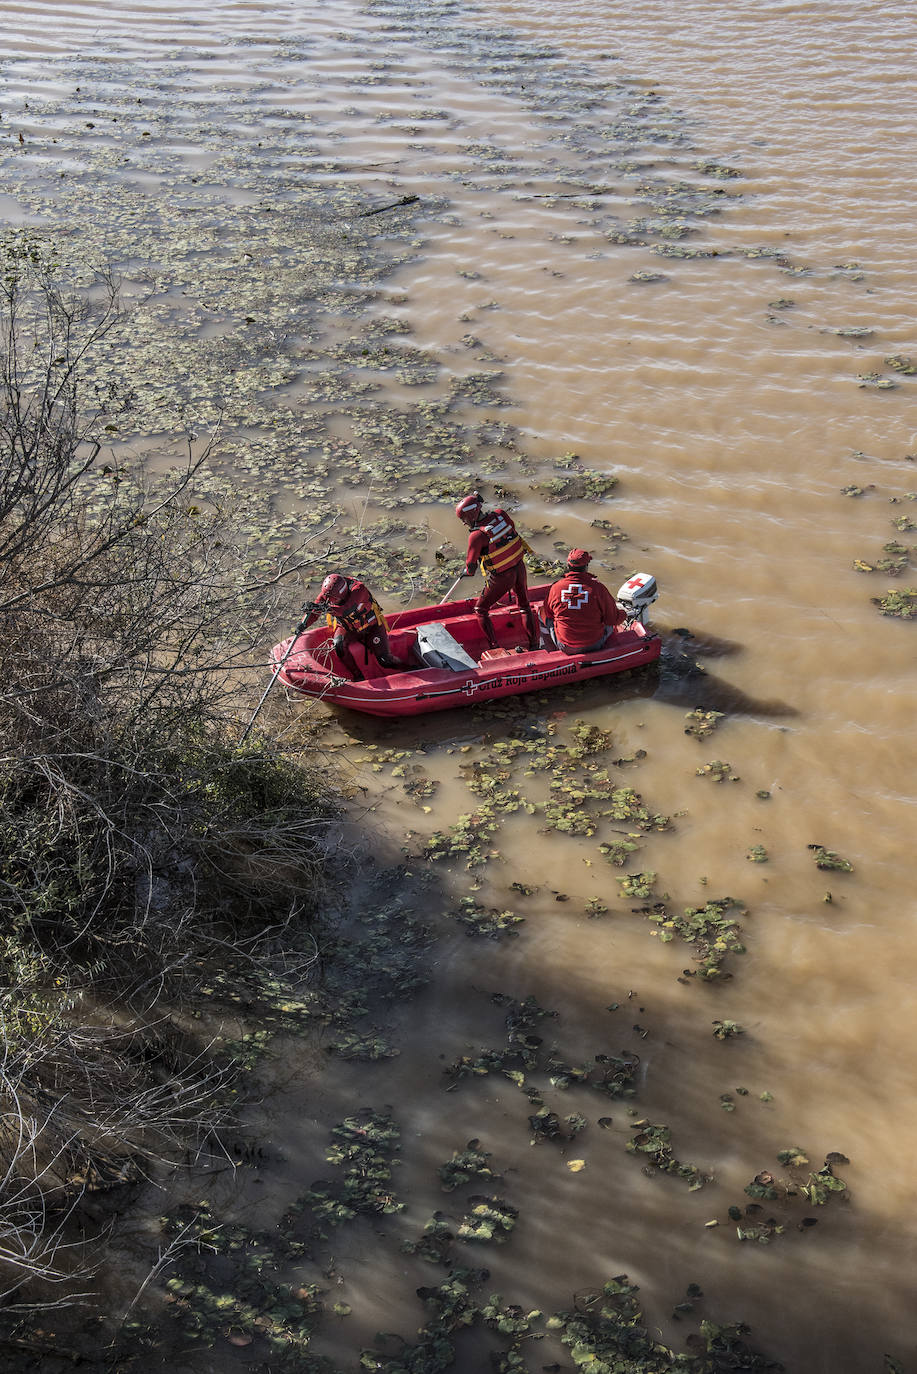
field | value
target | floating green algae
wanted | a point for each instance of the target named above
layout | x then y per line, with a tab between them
491	924
727	1030
900	363
466	1166
583	799
702	723
488	1218
899	603
656	1143
712	930
816	1188
828	860
718	771
229	1288
364	1148
897	558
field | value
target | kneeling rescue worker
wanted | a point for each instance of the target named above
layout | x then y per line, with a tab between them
580	611
354	617
496	544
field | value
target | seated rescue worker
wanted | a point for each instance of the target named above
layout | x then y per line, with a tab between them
580	612
354	617
495	543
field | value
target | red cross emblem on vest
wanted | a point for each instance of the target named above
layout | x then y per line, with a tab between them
574	596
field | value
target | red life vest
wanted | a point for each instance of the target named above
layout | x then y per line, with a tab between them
358	613
505	547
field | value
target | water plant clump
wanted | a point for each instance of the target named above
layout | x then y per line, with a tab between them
899	362
712	930
656	1143
584	485
827	859
817	1190
892	565
450	1307
229	1290
718	771
435	1241
466	1166
702	723
489	1218
604	1330
900	603
528	1063
637	885
492	924
727	1030
364	1146
582	795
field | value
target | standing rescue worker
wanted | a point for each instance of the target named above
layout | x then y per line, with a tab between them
354	617
580	611
496	544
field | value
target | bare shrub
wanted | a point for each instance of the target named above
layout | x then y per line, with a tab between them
140	848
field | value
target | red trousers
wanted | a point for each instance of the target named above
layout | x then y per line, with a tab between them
514	581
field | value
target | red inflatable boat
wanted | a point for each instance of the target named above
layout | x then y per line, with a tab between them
454	666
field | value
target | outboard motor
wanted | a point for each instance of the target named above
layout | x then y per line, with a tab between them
637	595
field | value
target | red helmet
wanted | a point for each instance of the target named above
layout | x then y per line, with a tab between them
334	587
578	558
469	506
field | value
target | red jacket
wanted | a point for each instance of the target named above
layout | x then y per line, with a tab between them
358	611
581	606
495	543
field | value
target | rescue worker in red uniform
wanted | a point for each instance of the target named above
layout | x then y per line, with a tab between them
354	617
496	544
580	611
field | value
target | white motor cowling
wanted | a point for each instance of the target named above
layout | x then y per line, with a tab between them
636	595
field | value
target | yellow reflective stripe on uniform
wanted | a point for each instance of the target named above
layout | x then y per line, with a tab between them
359	619
504	558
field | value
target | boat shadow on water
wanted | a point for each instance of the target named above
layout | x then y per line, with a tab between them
682	680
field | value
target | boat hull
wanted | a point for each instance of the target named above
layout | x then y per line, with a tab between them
414	691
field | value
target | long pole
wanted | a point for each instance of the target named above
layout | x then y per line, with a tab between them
277	671
451	589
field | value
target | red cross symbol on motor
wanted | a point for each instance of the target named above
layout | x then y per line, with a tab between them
634	583
575	596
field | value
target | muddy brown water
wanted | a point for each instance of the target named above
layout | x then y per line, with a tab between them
735	395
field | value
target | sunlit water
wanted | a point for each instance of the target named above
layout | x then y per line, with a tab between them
734	413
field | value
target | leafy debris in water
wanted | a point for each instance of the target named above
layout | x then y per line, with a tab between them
703	723
489	1218
712	929
491	924
718	771
902	604
900	363
656	1143
727	1030
364	1146
465	1166
827	859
